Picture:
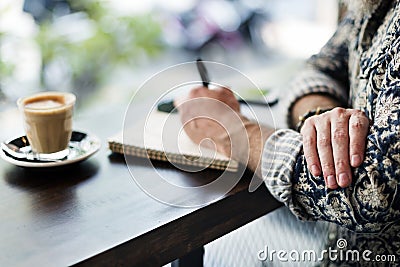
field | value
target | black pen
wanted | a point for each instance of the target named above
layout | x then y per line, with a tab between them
168	106
205	79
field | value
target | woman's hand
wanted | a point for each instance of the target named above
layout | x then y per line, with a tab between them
212	118
333	143
208	115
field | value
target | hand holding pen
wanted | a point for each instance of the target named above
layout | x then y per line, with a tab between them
212	119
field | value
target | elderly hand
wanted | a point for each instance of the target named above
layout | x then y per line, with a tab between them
334	142
210	115
212	118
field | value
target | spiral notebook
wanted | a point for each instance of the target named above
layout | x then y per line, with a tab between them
161	137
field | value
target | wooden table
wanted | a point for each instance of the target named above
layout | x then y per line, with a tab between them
93	213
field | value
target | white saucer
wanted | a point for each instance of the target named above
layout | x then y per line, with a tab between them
81	147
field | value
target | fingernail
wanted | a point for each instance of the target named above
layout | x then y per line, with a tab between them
355	160
331	180
343	179
315	170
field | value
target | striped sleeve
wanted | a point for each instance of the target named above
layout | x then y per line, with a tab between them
326	73
279	161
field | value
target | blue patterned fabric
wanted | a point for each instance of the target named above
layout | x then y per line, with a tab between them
360	66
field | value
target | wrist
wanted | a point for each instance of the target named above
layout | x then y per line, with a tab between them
245	143
310	102
258	135
308	114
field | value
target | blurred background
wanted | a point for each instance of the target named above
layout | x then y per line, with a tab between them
102	50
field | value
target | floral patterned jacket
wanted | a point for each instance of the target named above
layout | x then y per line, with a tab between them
360	66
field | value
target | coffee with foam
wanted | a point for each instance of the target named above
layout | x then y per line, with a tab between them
48	120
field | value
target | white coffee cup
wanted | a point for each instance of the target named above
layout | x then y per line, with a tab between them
48	121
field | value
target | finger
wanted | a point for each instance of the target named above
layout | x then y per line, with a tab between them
198	92
226	95
310	147
358	131
226	90
324	148
340	147
188	108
